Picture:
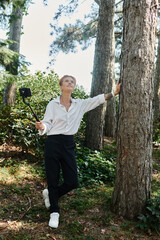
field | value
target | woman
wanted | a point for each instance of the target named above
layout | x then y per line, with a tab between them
61	121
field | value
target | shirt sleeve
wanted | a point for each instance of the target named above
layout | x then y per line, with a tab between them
91	103
47	120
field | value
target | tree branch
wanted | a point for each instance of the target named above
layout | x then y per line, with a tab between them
118	3
117	12
118	20
118	33
98	2
4	15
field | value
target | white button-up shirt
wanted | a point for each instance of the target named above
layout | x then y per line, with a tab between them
58	121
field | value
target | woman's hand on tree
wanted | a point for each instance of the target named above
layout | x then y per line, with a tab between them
118	88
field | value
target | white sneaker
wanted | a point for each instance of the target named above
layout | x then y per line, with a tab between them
54	220
46	198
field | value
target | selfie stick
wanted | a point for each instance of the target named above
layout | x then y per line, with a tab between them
26	92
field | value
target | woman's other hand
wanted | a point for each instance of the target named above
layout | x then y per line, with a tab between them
118	87
39	125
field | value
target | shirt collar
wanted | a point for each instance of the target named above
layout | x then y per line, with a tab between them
58	100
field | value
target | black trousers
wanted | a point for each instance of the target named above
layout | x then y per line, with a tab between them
59	153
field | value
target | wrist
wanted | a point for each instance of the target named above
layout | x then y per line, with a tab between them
42	127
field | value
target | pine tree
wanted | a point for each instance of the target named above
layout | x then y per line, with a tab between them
134	140
103	76
15	20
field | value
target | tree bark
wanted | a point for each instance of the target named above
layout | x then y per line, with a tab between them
102	74
10	94
110	118
15	35
157	83
134	140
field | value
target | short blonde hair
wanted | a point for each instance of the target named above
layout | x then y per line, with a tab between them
65	76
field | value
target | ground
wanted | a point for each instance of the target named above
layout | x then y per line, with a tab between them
85	212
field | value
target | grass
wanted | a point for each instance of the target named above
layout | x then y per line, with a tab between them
85	212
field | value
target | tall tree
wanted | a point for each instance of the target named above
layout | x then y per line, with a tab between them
102	73
157	83
134	162
82	31
14	35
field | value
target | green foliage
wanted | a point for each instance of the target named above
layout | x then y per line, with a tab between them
3	15
17	124
126	225
79	93
3	3
44	87
14	167
7	55
151	219
81	32
156	130
94	167
17	127
11	60
75	227
72	35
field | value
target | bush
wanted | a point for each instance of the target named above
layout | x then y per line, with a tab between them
151	219
156	130
94	167
17	125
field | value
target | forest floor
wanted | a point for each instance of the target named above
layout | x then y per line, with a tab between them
85	212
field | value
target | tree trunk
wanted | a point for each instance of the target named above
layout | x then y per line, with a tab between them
157	83
134	140
110	118
12	68
9	94
102	73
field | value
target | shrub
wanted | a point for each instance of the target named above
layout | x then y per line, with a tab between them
151	219
156	130
17	124
94	166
